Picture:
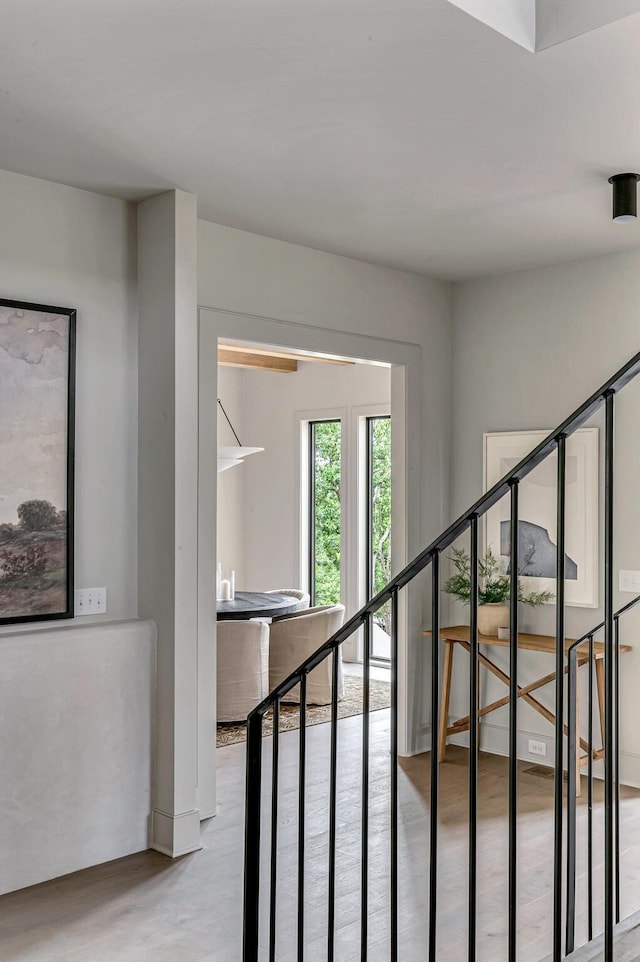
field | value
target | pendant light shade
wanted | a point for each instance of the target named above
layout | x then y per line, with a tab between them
225	463
235	453
625	197
229	457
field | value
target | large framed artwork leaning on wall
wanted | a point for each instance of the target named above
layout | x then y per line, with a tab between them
538	513
37	393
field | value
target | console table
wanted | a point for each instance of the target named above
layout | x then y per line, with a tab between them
544	644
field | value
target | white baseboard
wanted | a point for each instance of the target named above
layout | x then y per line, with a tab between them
494	739
423	740
176	835
630	769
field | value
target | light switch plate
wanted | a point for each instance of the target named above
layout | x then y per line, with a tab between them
90	601
629	581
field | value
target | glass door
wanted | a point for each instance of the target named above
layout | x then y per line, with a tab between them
325	511
378	528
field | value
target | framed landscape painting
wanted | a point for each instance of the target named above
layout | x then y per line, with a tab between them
537	534
37	380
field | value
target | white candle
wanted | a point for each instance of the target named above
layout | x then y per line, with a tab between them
225	590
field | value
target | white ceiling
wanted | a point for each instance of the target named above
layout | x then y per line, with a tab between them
538	24
402	132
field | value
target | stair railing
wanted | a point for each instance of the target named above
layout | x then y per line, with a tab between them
593	755
555	442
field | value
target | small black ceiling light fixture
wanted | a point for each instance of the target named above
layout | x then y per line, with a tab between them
625	197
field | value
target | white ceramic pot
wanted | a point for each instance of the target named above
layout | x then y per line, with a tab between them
491	617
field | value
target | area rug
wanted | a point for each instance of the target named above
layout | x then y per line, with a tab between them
351	704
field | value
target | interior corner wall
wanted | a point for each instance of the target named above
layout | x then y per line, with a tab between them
529	347
69	687
250	275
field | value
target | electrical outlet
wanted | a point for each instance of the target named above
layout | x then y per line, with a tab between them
90	601
537	748
629	581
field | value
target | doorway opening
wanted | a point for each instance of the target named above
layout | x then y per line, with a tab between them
312	512
404	363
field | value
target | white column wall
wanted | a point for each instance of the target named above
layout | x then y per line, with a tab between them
167	528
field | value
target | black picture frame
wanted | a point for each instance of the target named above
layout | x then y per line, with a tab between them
27	549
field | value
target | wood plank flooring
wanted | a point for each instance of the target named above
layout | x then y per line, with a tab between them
147	907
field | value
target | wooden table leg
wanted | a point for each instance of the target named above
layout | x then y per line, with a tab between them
600	687
522	692
444	704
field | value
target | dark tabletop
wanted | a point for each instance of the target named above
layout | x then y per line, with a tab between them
256	604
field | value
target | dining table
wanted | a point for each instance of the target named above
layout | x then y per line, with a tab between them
256	604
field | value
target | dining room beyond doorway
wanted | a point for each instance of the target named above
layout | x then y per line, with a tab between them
309	513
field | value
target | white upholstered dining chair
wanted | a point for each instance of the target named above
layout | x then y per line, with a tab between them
243	668
293	638
302	597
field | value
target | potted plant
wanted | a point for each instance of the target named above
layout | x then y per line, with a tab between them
494	589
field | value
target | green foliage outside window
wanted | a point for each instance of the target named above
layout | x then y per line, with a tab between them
326	450
381	513
326	437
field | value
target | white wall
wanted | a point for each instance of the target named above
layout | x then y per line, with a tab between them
272	404
71	248
232	504
529	347
76	701
76	738
313	300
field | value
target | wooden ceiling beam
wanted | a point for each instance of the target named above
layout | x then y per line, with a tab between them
290	355
262	362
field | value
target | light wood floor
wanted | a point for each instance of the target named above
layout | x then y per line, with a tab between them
147	907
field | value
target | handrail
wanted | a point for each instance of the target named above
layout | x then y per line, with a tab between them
573	736
594	631
455	530
509	484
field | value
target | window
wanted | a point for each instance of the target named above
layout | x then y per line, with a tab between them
346	515
378	530
325	514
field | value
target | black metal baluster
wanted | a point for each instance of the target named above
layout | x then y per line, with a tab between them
590	796
572	748
609	761
473	742
611	721
514	564
333	799
560	633
394	776
274	833
616	766
435	714
252	839
364	856
301	812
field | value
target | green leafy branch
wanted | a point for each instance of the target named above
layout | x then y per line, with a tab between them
494	584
